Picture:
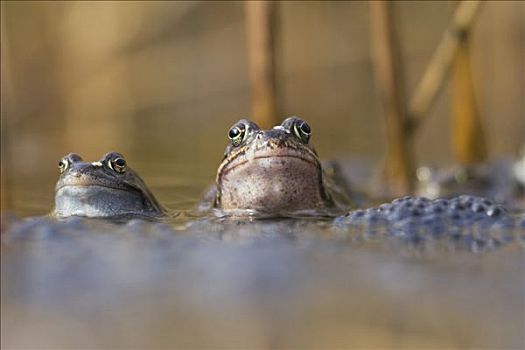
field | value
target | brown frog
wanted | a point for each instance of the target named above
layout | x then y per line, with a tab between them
275	172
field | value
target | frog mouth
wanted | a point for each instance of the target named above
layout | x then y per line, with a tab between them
239	164
86	183
269	151
97	194
87	189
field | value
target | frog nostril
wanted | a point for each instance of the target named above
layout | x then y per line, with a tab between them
76	173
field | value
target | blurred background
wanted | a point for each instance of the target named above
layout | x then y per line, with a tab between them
162	82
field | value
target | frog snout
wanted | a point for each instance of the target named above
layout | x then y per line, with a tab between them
80	170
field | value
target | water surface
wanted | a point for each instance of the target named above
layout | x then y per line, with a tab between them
267	283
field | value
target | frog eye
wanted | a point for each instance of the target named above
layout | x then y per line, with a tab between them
237	134
302	130
63	164
118	164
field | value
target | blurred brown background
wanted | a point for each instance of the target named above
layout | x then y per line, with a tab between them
162	82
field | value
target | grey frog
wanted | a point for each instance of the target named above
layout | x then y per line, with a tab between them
106	188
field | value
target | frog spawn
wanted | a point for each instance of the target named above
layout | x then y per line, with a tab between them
473	220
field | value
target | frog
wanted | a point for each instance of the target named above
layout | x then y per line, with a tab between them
276	172
102	189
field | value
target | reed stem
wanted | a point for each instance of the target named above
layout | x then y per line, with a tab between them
437	69
468	139
389	77
260	23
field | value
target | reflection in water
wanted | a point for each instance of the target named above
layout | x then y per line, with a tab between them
267	283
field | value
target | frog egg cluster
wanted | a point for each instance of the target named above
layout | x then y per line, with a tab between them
413	215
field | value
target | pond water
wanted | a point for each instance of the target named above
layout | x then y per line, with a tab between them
196	282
